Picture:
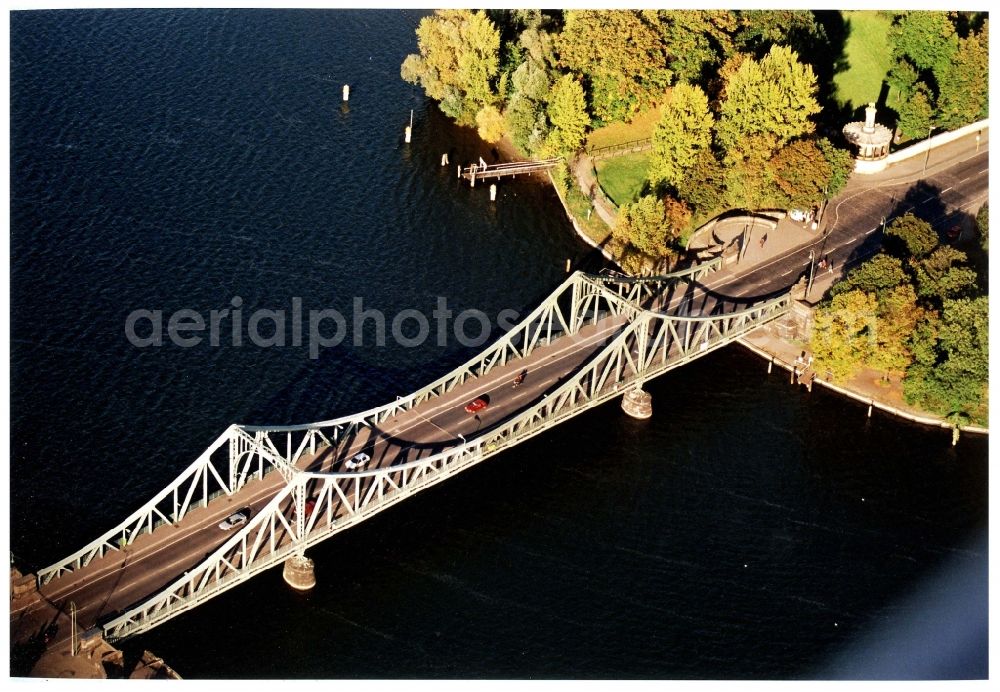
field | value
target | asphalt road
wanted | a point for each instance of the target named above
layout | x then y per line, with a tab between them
854	223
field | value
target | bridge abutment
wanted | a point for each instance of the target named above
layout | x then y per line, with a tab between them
298	573
638	403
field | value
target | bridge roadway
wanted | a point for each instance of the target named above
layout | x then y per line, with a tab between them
119	579
955	186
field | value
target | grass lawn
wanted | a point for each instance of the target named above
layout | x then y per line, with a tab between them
868	58
641	127
623	177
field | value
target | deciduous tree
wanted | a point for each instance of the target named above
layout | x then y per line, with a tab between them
916	113
768	103
879	273
621	52
567	112
916	235
704	185
643	225
926	38
844	333
678	216
963	86
760	29
942	274
683	132
526	123
490	124
699	40
801	172
458	58
897	318
841	166
952	369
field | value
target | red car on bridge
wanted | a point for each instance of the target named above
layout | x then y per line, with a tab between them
478	404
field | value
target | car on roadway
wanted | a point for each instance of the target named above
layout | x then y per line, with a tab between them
357	461
235	519
477	404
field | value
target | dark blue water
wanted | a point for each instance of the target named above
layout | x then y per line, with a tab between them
175	159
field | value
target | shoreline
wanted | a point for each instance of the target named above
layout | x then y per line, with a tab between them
576	226
927	419
923	418
506	148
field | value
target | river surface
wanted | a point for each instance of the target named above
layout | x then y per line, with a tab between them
163	160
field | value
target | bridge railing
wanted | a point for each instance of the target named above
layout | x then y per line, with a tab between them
197	475
250	442
640	289
652	344
195	486
548	313
612	149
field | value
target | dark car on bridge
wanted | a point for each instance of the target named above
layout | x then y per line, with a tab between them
478	404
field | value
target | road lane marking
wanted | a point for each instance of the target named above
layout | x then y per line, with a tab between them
134	559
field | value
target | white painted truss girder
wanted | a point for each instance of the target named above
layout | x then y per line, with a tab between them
651	344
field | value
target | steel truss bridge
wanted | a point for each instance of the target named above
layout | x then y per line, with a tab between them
635	328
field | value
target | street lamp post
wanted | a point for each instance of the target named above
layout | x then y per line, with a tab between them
812	266
72	628
927	158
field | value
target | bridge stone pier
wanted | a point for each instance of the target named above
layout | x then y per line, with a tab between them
299	572
638	403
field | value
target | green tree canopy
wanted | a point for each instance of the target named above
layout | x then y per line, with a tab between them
767	104
621	52
952	371
916	113
801	172
567	112
926	38
458	58
683	132
526	123
841	166
760	29
963	88
917	236
903	77
525	115
877	274
643	225
699	40
942	274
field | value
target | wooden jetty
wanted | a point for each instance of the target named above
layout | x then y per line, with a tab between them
483	171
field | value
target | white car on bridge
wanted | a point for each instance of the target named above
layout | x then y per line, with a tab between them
357	461
235	519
